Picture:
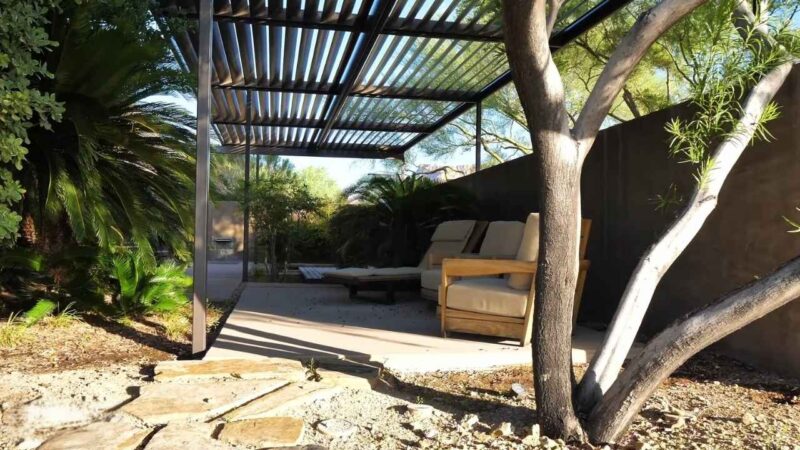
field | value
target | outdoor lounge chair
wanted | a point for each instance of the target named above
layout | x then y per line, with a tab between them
490	303
501	241
449	238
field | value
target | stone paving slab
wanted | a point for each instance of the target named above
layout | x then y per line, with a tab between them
229	368
263	433
285	397
116	435
186	437
161	403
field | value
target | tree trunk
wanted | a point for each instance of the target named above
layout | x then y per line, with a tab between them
606	365
542	95
673	346
556	279
273	256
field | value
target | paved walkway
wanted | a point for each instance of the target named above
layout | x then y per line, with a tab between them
299	321
223	278
210	405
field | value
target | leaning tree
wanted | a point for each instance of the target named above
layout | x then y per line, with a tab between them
732	111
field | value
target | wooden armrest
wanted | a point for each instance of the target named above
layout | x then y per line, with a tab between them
485	267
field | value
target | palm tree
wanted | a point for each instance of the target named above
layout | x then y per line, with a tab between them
117	170
390	218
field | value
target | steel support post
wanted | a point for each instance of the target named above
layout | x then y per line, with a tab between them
203	166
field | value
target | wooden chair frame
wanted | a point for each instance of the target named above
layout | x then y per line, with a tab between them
490	324
494	325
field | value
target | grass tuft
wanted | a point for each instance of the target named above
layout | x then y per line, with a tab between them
12	332
176	325
65	318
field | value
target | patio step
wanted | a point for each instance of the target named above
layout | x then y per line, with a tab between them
272	368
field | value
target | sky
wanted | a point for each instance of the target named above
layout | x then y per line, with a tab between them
345	171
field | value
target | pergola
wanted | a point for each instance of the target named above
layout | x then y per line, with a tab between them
337	78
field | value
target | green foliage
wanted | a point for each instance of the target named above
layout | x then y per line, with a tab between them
140	287
23	41
43	308
279	203
64	276
118	169
739	61
391	219
680	63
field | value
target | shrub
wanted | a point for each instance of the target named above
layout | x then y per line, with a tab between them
139	287
392	218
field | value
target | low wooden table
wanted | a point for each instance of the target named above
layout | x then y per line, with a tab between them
388	283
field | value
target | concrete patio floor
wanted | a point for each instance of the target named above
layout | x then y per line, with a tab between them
300	321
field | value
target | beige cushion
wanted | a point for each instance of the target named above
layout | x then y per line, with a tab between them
365	273
528	251
431	279
354	272
487	295
502	239
406	270
442	249
453	230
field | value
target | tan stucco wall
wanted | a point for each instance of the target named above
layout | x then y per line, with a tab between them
225	221
744	238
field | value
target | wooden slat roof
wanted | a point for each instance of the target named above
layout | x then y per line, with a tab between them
352	78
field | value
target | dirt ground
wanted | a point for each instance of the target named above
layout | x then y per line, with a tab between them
93	341
712	402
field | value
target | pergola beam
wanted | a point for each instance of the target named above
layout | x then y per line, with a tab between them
431	30
370	92
365	152
563	37
320	124
355	58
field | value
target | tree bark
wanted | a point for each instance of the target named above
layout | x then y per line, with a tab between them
606	365
542	95
673	346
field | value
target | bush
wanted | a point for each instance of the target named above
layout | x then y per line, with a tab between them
139	287
393	218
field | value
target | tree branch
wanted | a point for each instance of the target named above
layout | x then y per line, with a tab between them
676	344
649	27
605	367
553	7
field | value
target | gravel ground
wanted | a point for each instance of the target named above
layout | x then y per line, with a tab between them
32	405
68	376
711	403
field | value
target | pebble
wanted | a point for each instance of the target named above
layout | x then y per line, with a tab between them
29	444
504	429
419	411
469	421
518	389
336	428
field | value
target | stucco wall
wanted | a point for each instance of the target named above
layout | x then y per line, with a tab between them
745	237
225	221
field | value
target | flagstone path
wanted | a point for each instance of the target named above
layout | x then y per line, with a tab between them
219	404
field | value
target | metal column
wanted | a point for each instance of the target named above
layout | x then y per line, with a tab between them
478	115
247	131
203	166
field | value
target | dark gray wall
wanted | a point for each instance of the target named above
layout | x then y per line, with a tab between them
745	237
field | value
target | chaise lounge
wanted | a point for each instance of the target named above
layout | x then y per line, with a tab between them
449	239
